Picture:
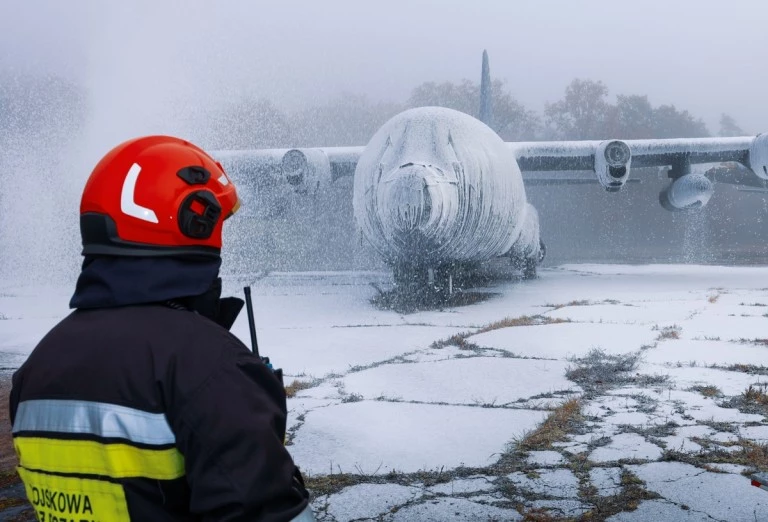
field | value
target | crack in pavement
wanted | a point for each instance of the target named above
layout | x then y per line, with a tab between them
686	507
670	481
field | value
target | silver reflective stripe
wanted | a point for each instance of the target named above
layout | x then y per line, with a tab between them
304	516
95	418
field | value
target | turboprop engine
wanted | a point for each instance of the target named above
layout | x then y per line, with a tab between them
306	170
612	162
758	156
688	192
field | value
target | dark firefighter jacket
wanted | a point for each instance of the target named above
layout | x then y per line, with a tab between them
150	413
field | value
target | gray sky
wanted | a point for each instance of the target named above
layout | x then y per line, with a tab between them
705	56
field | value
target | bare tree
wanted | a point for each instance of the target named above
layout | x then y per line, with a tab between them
729	127
671	123
511	120
634	117
583	114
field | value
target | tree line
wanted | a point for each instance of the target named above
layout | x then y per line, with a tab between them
48	109
584	113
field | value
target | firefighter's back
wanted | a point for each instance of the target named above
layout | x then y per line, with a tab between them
89	407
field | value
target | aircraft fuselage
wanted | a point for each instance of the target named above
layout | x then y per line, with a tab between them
435	186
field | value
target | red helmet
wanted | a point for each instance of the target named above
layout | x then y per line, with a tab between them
156	196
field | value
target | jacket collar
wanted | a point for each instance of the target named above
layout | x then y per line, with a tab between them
108	281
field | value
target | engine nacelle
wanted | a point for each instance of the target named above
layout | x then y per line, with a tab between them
688	192
612	162
306	170
758	156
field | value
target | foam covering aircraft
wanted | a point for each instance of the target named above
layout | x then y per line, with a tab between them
436	190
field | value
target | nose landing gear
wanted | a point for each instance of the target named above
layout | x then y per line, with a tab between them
528	265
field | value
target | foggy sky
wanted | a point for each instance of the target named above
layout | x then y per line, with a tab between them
705	56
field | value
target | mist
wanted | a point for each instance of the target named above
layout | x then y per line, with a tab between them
143	67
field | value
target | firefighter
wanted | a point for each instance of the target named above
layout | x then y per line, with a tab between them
140	405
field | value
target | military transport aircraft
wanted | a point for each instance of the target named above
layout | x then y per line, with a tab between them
436	190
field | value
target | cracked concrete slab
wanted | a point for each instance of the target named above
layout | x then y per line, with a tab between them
728	382
377	436
610	403
467	485
758	434
607	481
336	349
626	446
561	508
546	340
545	458
723	436
448	381
453	509
634	418
366	501
703	353
658	511
701	431
725	327
728	468
720	496
560	483
626	313
681	444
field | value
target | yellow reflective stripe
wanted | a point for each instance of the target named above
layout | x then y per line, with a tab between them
73	498
94	458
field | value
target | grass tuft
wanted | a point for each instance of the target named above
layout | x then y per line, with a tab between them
668	332
752	400
328	484
748	368
708	391
525	320
353	397
755	395
296	386
750	454
632	493
555	427
597	367
537	515
460	339
580	302
755	454
598	370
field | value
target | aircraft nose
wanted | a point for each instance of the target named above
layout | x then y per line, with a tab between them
404	200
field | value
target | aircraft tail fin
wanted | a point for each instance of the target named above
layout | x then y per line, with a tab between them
486	114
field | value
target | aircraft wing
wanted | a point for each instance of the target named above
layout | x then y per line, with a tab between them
304	169
742	160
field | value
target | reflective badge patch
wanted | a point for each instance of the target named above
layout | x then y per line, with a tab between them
69	499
